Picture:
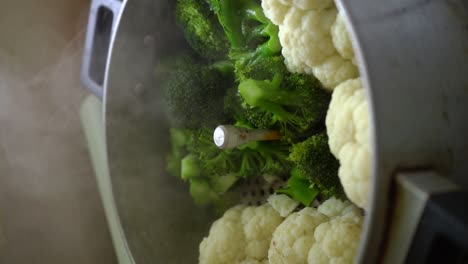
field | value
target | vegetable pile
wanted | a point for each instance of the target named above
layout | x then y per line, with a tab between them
260	234
283	66
235	74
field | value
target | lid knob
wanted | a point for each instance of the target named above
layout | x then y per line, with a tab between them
229	137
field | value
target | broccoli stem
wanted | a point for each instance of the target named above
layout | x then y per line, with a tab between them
230	18
249	162
225	67
300	189
267	95
255	12
273	45
233	13
190	167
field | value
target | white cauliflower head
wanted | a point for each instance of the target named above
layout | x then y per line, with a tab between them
305	38
293	239
334	70
328	234
305	33
341	39
347	124
242	235
275	10
283	204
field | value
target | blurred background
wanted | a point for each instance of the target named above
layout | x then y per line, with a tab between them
50	210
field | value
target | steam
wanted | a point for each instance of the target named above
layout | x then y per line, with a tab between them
46	181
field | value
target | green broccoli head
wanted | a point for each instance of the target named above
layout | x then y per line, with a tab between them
194	93
202	29
273	157
214	161
252	159
314	161
259	68
246	26
219	169
190	167
276	99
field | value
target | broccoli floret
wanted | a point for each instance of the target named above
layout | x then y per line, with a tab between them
201	192
214	161
202	29
251	159
179	139
275	98
253	89
220	169
190	167
273	157
314	162
246	26
259	68
299	188
194	93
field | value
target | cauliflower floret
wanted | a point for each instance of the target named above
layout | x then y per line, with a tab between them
242	235
341	39
328	234
295	236
336	239
305	33
347	124
282	204
275	10
334	70
335	242
305	38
